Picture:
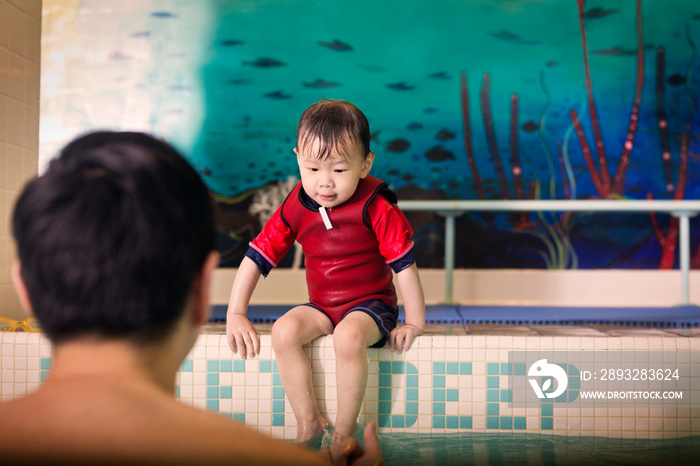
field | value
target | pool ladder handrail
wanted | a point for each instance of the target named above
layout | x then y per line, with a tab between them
450	209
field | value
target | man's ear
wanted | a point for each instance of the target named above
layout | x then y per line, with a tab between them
202	290
367	164
20	288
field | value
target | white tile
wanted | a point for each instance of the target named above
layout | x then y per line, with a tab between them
452	341
465	354
573	426
533	343
199	392
615	424
614	344
478	354
629	424
425	354
587	343
600	343
655	343
199	352
478	341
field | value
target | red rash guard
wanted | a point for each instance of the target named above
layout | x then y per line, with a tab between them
349	263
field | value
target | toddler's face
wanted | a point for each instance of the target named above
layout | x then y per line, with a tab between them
333	180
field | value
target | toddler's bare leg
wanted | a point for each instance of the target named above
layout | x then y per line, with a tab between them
290	333
351	338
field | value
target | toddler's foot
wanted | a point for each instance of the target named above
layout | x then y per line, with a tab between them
307	432
339	436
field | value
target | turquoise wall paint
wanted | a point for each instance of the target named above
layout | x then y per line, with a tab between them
227	80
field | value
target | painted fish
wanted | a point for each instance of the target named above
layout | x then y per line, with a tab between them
264	62
597	13
505	35
530	126
163	14
438	154
398	145
278	95
230	42
676	79
439	75
617	50
400	86
321	84
336	45
444	135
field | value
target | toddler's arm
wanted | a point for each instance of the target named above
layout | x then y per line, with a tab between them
411	289
243	337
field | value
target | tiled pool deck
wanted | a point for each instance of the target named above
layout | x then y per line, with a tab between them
454	378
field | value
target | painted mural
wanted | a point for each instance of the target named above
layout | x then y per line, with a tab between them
466	99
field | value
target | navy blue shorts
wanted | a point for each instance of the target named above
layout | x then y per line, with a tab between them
385	316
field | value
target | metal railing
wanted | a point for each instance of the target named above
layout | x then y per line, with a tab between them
452	209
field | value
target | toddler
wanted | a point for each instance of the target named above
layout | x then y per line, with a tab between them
353	235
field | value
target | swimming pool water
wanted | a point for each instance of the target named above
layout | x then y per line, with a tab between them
533	449
402	449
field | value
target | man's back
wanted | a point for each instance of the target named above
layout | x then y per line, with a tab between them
102	419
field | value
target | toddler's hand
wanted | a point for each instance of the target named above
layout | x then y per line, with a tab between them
400	338
243	337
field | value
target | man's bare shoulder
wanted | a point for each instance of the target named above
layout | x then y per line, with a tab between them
131	423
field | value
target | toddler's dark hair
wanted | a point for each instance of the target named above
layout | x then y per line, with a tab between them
336	124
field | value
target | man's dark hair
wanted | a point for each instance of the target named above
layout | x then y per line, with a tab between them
337	124
111	237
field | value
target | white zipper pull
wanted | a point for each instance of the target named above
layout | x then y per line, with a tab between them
324	216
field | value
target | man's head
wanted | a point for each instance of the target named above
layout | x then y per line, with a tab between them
112	237
333	151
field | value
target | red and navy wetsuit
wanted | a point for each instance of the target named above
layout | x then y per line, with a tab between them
350	263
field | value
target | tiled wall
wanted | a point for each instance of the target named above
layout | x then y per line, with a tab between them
20	48
443	384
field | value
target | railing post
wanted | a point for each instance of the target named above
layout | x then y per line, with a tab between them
684	254
449	252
